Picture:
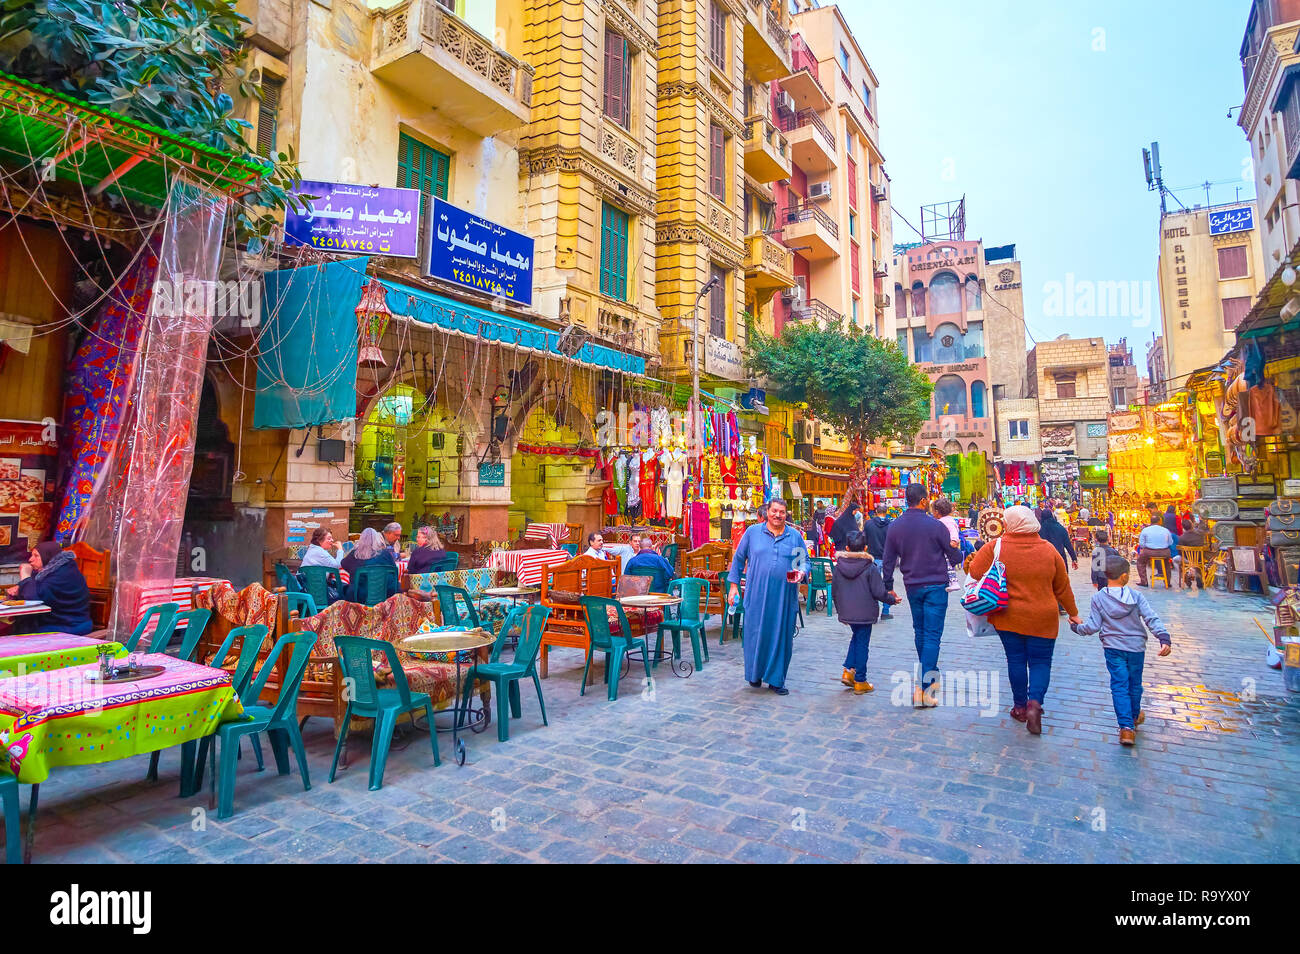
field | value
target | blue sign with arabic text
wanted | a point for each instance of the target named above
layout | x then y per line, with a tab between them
341	217
478	253
1232	220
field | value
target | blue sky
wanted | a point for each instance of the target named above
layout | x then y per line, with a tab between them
1038	113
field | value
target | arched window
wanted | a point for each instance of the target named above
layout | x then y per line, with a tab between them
977	399
974	298
950	396
952	447
918	299
900	301
948	348
972	448
945	294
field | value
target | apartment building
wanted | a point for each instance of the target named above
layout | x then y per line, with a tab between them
1122	374
833	211
1070	379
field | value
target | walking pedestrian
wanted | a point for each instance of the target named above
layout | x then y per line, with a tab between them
769	553
845	524
1100	554
876	529
1117	615
1037	582
920	547
858	590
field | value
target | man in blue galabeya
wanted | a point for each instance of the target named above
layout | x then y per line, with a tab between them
766	553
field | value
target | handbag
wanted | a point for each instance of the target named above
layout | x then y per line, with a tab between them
1283	521
1285	505
979	626
988	594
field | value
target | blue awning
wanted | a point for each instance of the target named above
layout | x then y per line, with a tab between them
432	309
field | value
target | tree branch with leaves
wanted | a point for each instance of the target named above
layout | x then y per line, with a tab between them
860	385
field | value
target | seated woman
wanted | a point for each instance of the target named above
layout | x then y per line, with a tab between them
320	553
53	577
429	555
371	550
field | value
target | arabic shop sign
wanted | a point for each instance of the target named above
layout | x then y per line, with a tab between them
356	218
1232	220
479	254
723	359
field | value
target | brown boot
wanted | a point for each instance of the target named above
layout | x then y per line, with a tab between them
846	678
1018	713
1127	737
1141	717
1034	717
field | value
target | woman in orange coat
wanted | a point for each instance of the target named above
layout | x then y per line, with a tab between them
1037	581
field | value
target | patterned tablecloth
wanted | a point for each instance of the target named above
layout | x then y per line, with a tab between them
528	565
180	590
58	718
46	652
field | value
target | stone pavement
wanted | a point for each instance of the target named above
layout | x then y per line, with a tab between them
709	769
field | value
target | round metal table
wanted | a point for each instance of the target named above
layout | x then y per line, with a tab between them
645	603
461	644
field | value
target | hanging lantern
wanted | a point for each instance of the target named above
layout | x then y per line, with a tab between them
372	321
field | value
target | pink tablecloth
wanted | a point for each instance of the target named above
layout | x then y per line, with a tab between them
527	565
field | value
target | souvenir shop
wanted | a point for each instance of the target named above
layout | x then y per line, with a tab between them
1151	459
728	482
1015	481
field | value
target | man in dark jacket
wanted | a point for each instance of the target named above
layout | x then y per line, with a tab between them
921	547
858	590
876	529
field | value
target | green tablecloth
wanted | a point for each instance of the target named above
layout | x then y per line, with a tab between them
45	652
50	719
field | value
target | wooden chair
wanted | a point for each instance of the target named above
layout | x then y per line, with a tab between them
563	586
96	567
1252	558
1195	560
576	533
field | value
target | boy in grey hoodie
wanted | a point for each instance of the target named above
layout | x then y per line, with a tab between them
1117	614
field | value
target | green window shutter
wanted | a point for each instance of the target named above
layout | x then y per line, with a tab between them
268	116
422	167
613	251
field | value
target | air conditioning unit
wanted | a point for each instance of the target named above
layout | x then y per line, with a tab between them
785	103
819	190
792	296
878	193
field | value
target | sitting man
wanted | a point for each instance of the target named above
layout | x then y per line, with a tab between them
1154	542
646	558
596	547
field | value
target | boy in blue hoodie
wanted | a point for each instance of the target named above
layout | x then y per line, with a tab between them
1117	615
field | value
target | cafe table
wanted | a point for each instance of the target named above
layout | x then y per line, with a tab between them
71	717
45	652
461	644
23	608
645	603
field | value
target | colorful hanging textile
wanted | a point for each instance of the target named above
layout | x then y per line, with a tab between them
97	385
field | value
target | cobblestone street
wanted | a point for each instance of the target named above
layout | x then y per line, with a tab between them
712	770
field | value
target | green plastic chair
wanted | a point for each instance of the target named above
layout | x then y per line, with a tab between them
456	607
368	701
286	578
279	722
304	603
736	615
251	638
819	581
371	585
505	677
196	621
570	548
687	620
164	614
615	647
13	840
669	553
453	562
316	581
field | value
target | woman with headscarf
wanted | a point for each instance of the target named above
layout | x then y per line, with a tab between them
371	550
1172	522
1037	582
1054	532
846	523
51	576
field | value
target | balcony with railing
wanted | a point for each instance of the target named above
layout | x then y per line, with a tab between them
812	144
811	231
814	310
431	54
768	264
767	40
767	153
803	83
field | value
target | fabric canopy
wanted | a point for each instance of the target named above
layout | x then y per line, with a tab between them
307	359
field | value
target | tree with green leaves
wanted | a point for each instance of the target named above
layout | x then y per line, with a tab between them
161	62
858	384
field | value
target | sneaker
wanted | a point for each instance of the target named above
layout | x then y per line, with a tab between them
861	688
846	678
1128	737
